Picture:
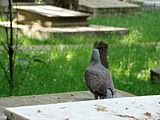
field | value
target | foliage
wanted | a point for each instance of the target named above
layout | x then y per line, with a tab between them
134	55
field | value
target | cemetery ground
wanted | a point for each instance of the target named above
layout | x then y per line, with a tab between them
57	64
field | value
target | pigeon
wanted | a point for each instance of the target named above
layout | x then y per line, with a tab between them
98	78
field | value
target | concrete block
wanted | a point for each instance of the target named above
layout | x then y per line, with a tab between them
41	32
103	8
129	108
152	4
50	16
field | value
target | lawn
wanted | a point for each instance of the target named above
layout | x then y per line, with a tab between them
58	64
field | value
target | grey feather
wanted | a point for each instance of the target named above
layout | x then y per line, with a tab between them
98	78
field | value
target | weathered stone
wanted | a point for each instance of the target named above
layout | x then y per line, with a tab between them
103	49
103	8
50	16
130	108
151	5
41	32
48	99
3	3
68	4
155	75
23	0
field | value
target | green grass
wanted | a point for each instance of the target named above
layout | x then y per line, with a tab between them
60	66
61	73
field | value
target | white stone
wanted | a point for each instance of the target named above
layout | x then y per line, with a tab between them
153	4
3	3
50	11
40	32
129	108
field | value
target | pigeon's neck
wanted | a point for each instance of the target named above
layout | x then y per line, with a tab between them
94	61
95	56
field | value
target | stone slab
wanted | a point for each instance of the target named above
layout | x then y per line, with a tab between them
100	8
130	108
49	99
147	3
105	4
46	32
50	16
151	4
51	11
24	1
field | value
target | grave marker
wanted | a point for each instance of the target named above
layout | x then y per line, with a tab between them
131	108
155	75
100	8
50	16
23	0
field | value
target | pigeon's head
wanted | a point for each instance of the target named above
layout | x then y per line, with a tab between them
95	55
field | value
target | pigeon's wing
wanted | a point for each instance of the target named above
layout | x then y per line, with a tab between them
108	79
95	81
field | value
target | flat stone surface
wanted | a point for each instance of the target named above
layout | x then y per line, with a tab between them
51	11
104	8
26	3
105	4
146	2
48	99
130	108
155	4
49	16
45	32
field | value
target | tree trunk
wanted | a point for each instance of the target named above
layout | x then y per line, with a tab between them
68	4
103	49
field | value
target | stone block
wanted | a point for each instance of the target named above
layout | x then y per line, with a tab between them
155	75
50	16
130	108
103	8
23	0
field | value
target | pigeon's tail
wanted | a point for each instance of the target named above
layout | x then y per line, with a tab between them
110	94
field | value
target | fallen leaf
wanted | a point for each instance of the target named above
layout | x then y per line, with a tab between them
101	108
147	114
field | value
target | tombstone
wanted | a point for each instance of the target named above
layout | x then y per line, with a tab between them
129	108
155	75
3	6
23	0
103	8
3	3
103	49
50	16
